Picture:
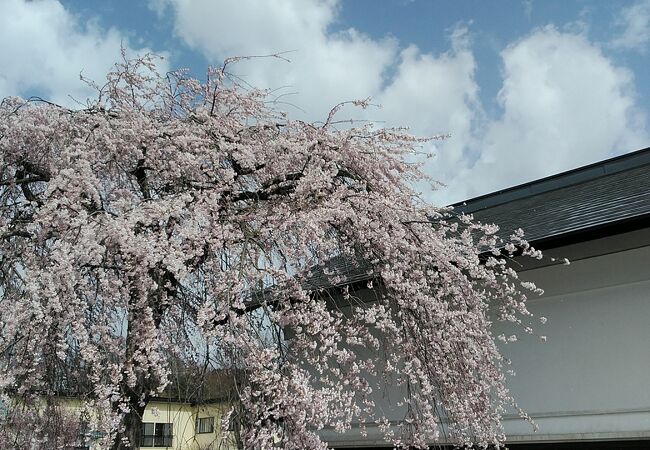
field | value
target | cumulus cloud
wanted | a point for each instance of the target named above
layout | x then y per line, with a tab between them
46	48
437	94
634	25
326	68
564	104
430	93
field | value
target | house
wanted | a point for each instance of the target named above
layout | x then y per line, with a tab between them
588	386
185	426
166	424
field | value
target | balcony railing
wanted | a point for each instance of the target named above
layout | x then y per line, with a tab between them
153	440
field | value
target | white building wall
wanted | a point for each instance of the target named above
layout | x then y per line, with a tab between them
591	378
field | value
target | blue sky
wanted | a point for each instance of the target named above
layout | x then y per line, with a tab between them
525	88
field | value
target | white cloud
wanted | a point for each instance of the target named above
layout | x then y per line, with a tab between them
46	47
563	102
430	93
326	68
159	7
634	24
437	94
564	105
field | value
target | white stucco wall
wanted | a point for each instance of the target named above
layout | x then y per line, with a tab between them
591	379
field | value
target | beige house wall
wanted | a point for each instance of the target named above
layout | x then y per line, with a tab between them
183	418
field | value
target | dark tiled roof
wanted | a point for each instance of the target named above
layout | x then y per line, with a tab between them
601	194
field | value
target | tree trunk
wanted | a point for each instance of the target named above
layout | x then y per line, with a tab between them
138	395
130	437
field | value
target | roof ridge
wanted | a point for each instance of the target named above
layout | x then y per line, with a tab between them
599	169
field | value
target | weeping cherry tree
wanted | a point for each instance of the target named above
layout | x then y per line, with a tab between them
171	219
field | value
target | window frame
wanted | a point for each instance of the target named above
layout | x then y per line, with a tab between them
202	420
163	434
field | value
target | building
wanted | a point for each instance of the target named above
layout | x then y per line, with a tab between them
166	424
185	426
588	386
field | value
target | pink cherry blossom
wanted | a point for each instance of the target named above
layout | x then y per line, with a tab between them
177	218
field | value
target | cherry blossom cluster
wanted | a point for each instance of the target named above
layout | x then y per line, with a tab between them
171	217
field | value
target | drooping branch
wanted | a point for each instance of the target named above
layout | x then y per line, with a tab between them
142	234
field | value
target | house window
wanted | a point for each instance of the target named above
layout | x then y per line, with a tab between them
205	425
156	435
